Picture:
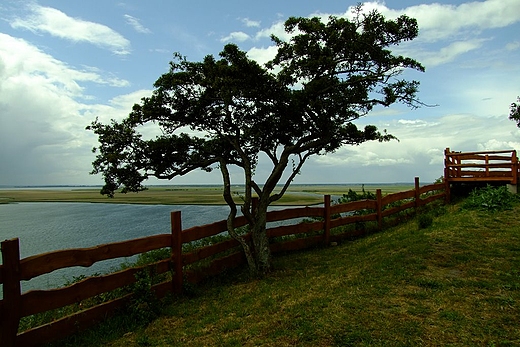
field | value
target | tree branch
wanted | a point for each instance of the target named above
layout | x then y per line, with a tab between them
295	172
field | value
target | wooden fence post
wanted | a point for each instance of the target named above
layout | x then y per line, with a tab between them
326	225
447	196
10	313
514	167
417	195
487	165
379	210
176	224
446	164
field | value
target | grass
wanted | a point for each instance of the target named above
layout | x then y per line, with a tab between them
178	195
454	282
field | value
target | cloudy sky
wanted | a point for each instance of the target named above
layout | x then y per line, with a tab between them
64	63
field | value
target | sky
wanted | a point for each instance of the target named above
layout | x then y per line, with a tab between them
65	63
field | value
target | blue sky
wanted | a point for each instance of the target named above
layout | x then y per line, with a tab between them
64	63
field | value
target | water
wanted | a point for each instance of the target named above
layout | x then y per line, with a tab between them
44	227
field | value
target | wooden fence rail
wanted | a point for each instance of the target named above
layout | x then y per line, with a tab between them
480	167
485	166
16	305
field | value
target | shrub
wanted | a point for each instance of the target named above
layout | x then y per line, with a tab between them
491	199
424	220
144	306
354	196
151	257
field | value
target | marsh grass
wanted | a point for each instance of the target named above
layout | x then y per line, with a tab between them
456	283
179	195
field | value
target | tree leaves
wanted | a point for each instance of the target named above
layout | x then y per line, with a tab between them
515	111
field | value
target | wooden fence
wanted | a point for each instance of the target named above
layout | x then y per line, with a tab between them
486	166
480	167
16	305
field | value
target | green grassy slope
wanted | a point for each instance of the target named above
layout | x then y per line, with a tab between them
455	283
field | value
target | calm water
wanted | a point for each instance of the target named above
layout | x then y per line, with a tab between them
44	227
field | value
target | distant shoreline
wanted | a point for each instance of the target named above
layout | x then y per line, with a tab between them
209	185
297	194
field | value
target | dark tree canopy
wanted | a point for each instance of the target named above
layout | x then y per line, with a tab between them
223	112
515	111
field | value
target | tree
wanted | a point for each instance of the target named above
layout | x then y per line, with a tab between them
515	111
226	112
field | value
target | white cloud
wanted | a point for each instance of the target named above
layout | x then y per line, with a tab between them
448	53
277	29
43	118
236	36
250	23
95	75
441	21
56	23
458	26
22	61
420	150
418	123
513	46
117	108
136	24
262	55
498	145
160	50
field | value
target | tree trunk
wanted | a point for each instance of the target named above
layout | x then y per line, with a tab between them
261	249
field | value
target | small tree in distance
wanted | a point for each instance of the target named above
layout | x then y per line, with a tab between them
515	111
222	113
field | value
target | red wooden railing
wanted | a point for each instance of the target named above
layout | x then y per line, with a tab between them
16	305
478	167
485	166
